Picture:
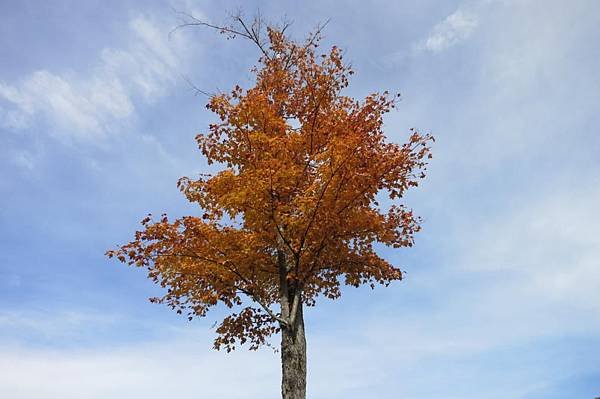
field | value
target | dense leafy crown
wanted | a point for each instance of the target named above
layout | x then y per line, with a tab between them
302	166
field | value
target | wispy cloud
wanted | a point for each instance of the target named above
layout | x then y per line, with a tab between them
552	245
60	353
151	370
24	159
384	358
85	105
455	28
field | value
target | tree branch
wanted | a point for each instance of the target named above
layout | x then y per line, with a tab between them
246	291
295	304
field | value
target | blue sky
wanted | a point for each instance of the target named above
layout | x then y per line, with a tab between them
502	295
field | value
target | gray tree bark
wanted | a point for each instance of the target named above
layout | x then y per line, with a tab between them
293	359
293	340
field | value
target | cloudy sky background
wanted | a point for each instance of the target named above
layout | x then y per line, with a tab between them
502	295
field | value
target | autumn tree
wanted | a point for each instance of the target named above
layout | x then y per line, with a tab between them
293	214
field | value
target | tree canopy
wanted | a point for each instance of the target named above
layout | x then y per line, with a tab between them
294	209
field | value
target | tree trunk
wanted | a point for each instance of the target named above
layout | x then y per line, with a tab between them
293	359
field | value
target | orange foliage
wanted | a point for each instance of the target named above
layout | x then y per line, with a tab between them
294	210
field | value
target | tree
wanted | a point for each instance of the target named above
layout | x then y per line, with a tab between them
293	215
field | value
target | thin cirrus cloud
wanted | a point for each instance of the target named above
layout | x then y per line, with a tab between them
455	28
87	105
564	274
132	369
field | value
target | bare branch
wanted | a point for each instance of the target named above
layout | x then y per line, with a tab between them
295	304
195	88
316	34
281	320
251	34
193	21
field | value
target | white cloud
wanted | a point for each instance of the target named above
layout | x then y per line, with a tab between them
25	160
87	105
184	368
455	28
62	354
525	237
12	119
340	364
381	356
551	244
55	326
78	110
